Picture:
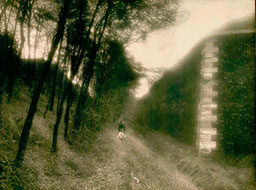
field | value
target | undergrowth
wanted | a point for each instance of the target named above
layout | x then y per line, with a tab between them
40	166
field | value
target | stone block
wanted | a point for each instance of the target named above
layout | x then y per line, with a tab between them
206	99
205	138
208	54
213	59
209	83
207	76
206	112
208	131
205	124
211	49
210	70
212	118
208	92
208	106
210	145
208	64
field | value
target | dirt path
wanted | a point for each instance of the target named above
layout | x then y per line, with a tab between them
132	165
156	162
112	164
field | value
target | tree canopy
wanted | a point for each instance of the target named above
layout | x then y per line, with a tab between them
85	40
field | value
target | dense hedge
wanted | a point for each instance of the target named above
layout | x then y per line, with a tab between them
172	103
9	63
236	94
13	69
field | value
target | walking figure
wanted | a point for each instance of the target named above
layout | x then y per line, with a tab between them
121	131
121	127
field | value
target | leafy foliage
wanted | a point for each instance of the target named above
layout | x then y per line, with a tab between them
89	31
115	71
172	102
236	110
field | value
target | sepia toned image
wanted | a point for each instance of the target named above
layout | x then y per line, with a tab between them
127	95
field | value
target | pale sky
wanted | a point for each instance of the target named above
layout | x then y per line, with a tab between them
164	48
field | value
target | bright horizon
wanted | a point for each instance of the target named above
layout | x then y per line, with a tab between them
164	49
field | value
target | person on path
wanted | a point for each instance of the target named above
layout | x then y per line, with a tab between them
121	127
121	131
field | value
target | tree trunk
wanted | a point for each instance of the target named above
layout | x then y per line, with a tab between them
12	70
1	87
31	78
89	70
10	85
70	100
82	98
47	106
29	118
57	124
16	20
83	47
45	47
36	95
5	21
77	117
68	87
22	38
37	37
4	10
9	16
52	95
24	11
78	59
29	25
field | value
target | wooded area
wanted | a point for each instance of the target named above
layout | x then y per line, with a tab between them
66	80
84	68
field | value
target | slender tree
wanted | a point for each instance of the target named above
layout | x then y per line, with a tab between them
29	16
89	66
9	16
4	5
68	86
68	91
24	4
54	80
70	100
33	106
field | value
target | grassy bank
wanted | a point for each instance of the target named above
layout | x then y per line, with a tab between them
217	172
40	168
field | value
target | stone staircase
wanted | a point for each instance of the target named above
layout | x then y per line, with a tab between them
207	107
